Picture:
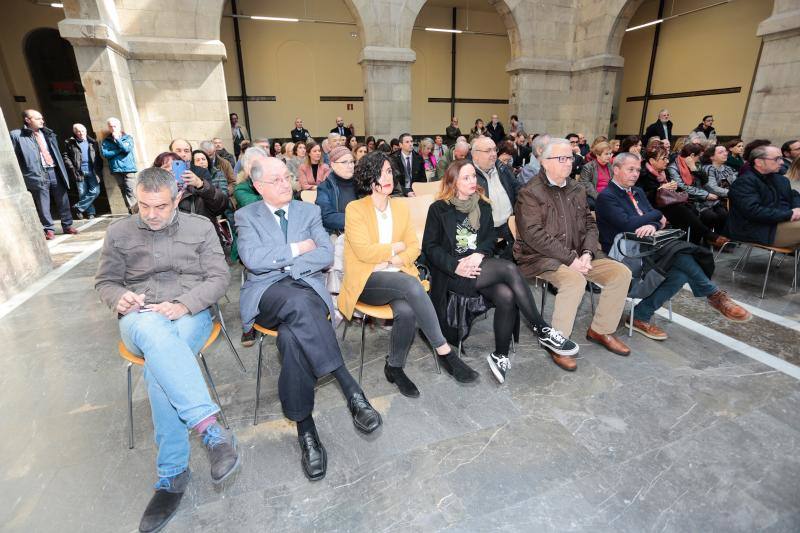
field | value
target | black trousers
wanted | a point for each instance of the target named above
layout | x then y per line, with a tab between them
684	216
41	199
306	340
504	248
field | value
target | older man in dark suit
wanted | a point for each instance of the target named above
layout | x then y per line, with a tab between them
285	248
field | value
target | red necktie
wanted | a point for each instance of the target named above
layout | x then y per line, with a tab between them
45	153
635	203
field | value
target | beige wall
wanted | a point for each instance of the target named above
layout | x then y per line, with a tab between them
19	18
710	49
299	62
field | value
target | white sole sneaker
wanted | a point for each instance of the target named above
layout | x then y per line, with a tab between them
498	374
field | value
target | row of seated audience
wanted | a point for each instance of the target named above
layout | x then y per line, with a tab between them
162	268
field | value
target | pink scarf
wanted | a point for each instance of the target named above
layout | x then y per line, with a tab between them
686	174
660	176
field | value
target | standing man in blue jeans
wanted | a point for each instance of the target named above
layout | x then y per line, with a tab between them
160	270
85	166
621	208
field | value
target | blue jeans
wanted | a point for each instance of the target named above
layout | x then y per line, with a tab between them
179	398
88	191
684	270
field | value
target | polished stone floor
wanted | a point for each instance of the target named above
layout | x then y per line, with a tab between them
690	434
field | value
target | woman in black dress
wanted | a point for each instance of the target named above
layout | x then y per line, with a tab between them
458	245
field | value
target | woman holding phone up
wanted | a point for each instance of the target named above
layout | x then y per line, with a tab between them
197	194
380	249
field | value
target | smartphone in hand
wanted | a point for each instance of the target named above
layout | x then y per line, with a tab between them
178	168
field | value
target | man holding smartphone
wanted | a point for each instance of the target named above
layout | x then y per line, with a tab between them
164	317
198	195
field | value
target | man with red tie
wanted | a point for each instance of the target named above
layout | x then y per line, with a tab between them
623	208
43	169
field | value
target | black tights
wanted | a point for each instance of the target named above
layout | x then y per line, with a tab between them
501	282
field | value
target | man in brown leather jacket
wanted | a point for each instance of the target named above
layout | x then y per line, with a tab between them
558	242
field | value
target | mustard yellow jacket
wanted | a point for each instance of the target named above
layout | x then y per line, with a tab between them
362	251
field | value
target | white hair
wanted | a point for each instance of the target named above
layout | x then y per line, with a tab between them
78	125
250	155
114	119
622	158
207	146
540	142
548	147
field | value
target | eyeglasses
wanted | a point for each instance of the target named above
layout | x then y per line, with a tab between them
562	158
776	159
489	151
276	181
351	162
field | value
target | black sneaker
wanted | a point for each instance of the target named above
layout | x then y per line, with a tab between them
499	364
554	341
249	338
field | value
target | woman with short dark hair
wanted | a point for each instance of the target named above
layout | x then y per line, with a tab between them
459	244
380	250
631	144
735	150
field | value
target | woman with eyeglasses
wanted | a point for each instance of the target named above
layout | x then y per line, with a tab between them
705	131
596	174
459	243
337	190
682	215
380	249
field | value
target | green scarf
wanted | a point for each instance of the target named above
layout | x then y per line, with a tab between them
470	208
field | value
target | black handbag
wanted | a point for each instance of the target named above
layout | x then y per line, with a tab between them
462	311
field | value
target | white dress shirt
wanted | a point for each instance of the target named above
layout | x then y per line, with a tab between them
385	231
501	205
293	245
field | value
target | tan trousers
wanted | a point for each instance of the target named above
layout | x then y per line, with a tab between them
787	234
613	276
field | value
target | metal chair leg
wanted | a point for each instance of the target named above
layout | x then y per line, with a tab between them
544	294
794	279
230	342
258	379
591	295
746	259
745	250
669	307
630	318
458	328
346	325
130	408
361	367
766	274
213	389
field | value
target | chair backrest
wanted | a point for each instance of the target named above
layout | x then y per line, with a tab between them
418	211
431	187
512	226
309	196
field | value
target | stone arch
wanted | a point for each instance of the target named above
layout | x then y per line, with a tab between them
624	12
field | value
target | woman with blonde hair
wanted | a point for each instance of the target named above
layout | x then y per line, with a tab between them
359	151
380	250
459	244
596	174
429	160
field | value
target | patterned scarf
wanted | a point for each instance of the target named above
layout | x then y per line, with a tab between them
470	208
686	174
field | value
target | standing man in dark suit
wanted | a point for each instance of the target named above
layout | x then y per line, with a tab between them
410	163
661	128
39	158
299	133
340	128
285	248
496	130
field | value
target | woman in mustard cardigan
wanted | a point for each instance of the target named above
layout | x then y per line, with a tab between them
379	252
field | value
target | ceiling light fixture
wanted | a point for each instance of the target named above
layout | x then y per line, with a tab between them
275	19
443	30
659	21
57	5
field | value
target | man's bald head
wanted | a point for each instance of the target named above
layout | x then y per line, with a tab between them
182	148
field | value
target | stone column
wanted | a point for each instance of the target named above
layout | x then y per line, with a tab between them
540	94
387	90
24	256
774	108
594	90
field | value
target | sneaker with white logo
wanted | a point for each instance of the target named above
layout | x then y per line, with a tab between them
555	341
499	365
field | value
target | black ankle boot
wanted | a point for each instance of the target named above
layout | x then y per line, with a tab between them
457	368
397	376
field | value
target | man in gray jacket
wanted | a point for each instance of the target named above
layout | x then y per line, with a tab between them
160	270
39	158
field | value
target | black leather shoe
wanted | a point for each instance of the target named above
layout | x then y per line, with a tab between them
365	417
314	457
164	502
398	377
457	368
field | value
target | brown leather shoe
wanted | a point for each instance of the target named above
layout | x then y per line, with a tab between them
609	342
728	308
649	330
718	241
564	361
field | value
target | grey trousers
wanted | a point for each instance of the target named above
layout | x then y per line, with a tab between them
410	306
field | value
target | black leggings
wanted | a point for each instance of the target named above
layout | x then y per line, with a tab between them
501	282
685	217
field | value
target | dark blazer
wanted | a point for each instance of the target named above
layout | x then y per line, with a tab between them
758	203
507	178
657	130
497	133
30	161
73	158
300	135
521	156
344	131
616	213
439	245
417	170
